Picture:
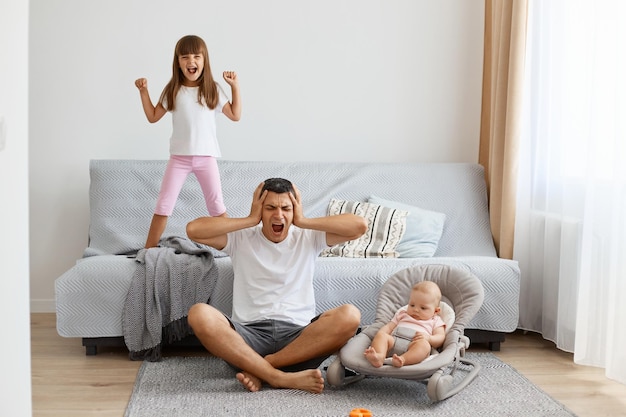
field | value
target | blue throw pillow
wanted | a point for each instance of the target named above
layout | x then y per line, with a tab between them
423	229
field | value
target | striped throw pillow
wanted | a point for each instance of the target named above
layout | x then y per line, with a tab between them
385	228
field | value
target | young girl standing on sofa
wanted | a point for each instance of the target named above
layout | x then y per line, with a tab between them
193	98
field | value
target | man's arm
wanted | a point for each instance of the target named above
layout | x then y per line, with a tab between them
339	228
212	231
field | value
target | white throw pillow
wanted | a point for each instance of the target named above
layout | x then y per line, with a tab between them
385	228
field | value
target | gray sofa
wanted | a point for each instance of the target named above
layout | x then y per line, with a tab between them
90	296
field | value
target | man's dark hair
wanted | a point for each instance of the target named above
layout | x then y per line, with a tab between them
278	186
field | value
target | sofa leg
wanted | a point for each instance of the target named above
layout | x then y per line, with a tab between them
91	343
491	339
494	346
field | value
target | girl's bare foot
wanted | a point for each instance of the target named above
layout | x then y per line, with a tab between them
373	357
397	361
250	382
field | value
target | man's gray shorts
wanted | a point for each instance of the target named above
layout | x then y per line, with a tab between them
269	336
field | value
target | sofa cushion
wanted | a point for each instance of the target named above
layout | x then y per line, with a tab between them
385	228
423	229
90	296
123	194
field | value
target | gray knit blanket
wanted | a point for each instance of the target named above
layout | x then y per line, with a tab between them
168	280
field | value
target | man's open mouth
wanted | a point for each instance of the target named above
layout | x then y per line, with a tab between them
277	228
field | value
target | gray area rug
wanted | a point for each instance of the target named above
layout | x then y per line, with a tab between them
206	387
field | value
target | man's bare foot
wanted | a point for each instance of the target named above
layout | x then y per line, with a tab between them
250	382
374	357
397	361
308	380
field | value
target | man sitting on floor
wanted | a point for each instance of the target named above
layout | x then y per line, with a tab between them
273	335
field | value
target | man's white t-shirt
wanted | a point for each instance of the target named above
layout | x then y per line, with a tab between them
194	130
274	280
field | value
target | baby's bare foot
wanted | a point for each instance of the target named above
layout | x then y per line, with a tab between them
250	382
397	361
374	357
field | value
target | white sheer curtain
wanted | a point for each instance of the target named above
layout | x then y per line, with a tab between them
570	236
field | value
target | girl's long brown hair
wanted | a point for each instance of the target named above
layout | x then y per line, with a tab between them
207	90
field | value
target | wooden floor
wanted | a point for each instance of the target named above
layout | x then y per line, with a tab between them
67	383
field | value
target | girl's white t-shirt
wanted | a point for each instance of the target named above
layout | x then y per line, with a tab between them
274	280
194	130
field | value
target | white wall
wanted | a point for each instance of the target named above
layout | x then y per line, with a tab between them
15	382
350	80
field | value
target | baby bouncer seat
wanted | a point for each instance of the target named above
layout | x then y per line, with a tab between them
462	291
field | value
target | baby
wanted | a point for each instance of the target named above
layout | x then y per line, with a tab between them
419	323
